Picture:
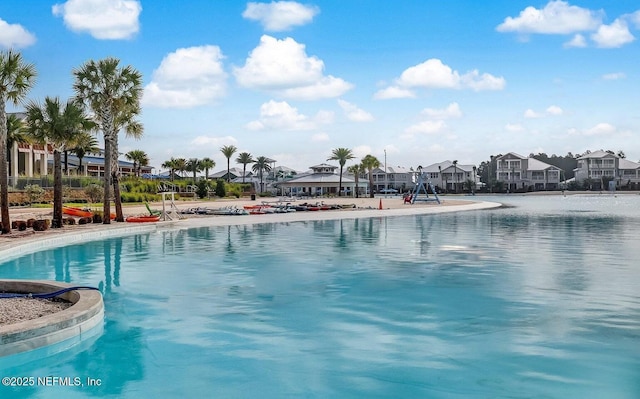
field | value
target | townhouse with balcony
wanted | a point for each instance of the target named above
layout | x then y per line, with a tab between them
451	177
597	168
519	173
392	178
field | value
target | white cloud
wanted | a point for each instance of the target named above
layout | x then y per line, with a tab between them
614	76
634	18
279	16
479	82
577	41
276	115
15	36
427	127
393	92
554	110
433	74
354	113
103	19
513	127
531	114
557	17
283	67
430	74
326	87
601	129
188	77
452	111
615	35
320	137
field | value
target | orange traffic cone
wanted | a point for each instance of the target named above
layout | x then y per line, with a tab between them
380	206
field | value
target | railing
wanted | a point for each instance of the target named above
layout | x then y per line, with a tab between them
46	182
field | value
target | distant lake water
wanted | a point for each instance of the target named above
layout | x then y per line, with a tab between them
539	299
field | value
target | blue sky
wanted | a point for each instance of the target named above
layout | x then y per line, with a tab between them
424	80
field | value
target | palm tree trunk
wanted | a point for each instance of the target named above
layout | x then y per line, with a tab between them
115	175
4	183
56	222
371	195
340	182
106	204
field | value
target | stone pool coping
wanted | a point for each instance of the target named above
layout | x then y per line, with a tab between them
86	313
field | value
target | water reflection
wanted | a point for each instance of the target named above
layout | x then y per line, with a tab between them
469	305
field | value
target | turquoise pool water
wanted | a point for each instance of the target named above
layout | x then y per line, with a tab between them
540	300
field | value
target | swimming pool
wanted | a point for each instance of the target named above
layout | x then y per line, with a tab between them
538	300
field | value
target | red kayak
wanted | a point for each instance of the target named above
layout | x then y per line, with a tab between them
143	219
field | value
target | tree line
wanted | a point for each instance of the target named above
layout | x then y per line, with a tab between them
106	100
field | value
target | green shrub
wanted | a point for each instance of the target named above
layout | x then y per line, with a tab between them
95	192
202	188
221	190
34	193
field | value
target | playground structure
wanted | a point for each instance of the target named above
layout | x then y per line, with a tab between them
422	185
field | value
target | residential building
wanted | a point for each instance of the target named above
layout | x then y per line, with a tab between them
234	173
322	180
599	167
450	177
519	173
393	177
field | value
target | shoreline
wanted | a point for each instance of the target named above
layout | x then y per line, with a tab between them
19	243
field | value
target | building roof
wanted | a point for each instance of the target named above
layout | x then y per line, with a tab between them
598	154
437	167
510	155
393	169
324	166
535	164
237	172
628	165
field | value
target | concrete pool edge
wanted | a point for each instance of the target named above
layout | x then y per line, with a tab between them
86	313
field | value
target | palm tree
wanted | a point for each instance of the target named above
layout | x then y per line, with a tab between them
181	166
455	171
260	166
16	79
84	143
58	125
369	163
15	134
357	170
342	155
112	93
206	164
139	159
173	164
244	158
228	151
193	165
